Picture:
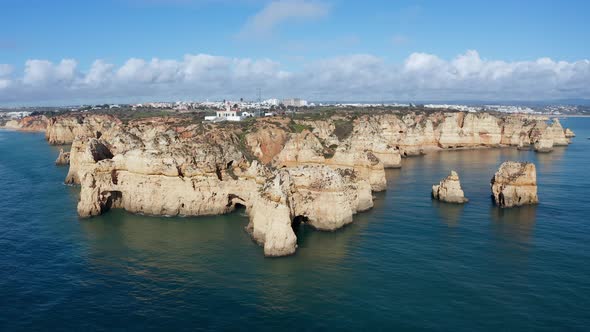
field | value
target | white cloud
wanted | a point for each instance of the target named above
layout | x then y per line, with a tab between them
421	76
99	73
42	72
274	13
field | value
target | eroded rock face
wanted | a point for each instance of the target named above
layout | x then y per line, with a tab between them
515	184
306	149
556	132
470	130
153	170
63	158
449	190
283	171
569	134
64	129
544	145
305	194
32	123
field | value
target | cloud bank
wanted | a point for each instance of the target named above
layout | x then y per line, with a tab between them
420	76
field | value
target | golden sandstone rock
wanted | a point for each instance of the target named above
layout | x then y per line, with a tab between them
449	190
515	184
284	171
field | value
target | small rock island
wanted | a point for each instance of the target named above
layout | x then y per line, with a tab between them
515	184
449	190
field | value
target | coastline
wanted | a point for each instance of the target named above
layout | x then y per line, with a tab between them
282	170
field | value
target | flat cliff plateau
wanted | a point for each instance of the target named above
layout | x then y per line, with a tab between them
320	170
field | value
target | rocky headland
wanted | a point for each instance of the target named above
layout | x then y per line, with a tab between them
316	169
36	123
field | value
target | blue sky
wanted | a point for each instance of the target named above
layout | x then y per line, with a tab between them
295	35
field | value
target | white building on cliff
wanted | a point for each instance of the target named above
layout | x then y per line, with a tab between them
228	113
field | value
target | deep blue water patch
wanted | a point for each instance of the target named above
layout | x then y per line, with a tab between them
409	263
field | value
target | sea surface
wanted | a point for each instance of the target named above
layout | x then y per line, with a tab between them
408	264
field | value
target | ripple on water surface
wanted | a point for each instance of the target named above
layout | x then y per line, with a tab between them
409	263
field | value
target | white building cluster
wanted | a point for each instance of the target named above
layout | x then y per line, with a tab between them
294	102
485	108
14	114
229	113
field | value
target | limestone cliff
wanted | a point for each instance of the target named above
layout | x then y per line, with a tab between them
64	129
284	171
28	123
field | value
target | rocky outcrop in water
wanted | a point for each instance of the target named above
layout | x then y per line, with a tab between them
449	190
320	196
544	145
32	123
63	158
569	133
515	184
284	171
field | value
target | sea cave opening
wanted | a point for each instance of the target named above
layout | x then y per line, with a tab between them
112	200
235	203
298	222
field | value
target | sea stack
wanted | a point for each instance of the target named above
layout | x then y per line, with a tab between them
63	158
569	133
515	184
544	145
449	190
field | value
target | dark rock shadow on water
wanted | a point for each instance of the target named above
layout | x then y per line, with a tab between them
449	213
334	245
514	224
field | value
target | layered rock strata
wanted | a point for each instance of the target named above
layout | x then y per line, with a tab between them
449	190
515	184
33	123
64	129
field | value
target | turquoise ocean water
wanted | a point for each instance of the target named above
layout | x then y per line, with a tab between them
408	264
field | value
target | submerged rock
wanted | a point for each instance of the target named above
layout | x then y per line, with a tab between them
63	158
449	190
515	184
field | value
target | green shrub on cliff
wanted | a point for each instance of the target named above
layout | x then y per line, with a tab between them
298	127
343	128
